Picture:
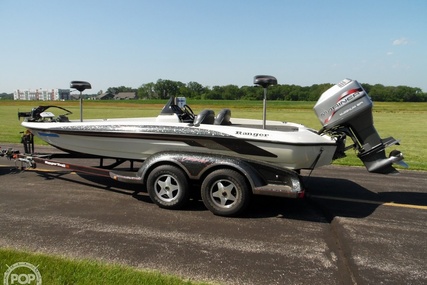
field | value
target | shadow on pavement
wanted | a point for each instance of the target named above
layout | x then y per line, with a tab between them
344	198
326	198
6	169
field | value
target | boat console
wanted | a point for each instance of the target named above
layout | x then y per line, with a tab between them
176	110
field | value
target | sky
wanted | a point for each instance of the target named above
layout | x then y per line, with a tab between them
109	43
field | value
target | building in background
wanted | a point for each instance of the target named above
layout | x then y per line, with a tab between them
42	94
125	96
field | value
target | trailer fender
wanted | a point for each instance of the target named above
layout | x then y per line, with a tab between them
198	165
263	178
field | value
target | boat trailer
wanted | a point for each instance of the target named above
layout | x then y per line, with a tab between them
226	184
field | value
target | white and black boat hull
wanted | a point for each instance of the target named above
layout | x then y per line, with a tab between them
298	148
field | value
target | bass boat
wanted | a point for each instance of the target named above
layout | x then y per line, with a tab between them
344	110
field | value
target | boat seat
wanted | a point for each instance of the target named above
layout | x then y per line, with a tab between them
223	117
205	117
80	85
265	80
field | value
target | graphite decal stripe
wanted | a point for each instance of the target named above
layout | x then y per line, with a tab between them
219	142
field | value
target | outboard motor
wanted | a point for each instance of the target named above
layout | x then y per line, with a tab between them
346	109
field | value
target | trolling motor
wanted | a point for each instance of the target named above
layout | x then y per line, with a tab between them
39	114
346	110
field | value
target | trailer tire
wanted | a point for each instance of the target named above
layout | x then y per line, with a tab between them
225	192
168	187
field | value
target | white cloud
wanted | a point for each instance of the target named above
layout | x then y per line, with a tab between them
400	42
389	53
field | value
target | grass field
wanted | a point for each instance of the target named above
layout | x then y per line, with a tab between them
404	121
56	270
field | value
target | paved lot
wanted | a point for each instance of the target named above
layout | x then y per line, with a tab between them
355	228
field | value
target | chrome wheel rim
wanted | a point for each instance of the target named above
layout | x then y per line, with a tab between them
167	188
224	193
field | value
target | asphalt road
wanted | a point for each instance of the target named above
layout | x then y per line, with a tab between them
354	228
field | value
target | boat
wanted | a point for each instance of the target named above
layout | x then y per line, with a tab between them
344	110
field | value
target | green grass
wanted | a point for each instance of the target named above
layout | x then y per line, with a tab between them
404	121
56	270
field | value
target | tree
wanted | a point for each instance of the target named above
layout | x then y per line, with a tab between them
231	92
196	89
378	92
166	88
275	93
6	96
251	93
215	93
316	90
408	94
147	91
162	89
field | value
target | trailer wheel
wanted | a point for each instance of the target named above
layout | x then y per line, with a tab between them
167	186
225	192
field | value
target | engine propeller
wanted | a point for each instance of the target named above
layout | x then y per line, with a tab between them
396	157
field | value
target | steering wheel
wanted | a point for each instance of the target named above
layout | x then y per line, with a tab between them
189	112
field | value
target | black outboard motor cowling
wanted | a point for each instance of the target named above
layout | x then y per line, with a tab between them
346	109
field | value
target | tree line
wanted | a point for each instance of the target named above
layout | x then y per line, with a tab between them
162	89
